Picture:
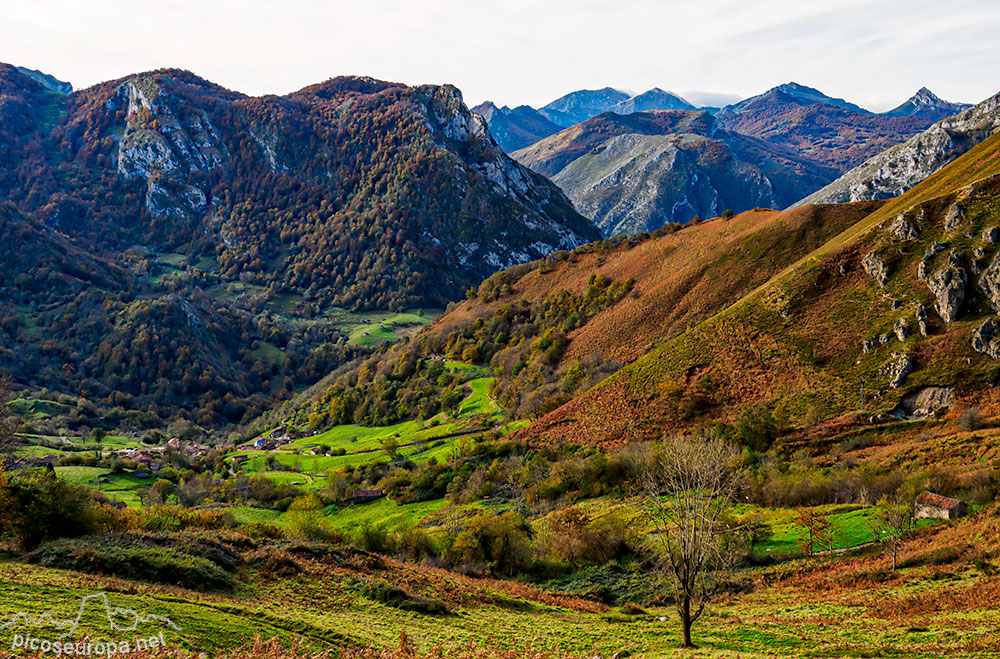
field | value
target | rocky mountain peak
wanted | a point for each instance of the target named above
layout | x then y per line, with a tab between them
925	96
581	105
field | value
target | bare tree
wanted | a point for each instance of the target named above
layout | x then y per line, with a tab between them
893	522
687	486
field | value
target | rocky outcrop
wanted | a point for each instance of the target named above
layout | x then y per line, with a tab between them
902	229
902	329
954	217
897	368
986	339
163	144
948	287
875	267
896	170
989	283
921	316
924	402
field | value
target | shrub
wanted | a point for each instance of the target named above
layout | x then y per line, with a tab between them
970	419
38	507
400	599
275	563
500	541
163	519
374	539
262	531
150	559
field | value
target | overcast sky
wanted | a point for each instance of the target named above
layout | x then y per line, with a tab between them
873	52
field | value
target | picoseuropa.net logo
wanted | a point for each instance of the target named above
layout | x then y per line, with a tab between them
128	632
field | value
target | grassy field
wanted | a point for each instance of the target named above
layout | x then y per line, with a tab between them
383	513
831	606
417	440
37	410
117	487
850	526
371	328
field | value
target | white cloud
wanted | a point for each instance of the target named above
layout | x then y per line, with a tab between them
875	53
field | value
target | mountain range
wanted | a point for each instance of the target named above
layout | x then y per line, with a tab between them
515	128
829	130
176	245
768	150
581	105
899	168
172	247
637	172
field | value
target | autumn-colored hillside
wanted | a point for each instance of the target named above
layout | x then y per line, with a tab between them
900	301
680	278
176	249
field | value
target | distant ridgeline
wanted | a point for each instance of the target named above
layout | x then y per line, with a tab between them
634	164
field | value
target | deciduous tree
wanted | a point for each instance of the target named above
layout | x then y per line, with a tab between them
817	535
893	522
687	486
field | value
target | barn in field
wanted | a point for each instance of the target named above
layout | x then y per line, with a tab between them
934	506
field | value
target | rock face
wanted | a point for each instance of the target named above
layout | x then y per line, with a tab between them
948	287
165	147
357	191
638	172
897	368
986	339
924	403
875	267
899	168
516	128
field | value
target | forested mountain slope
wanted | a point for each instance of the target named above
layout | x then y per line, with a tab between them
176	247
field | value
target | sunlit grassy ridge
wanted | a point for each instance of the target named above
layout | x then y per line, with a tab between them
795	342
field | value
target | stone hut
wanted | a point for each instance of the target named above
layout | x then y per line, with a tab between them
934	506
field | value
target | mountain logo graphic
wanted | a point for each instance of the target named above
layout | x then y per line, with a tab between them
130	619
